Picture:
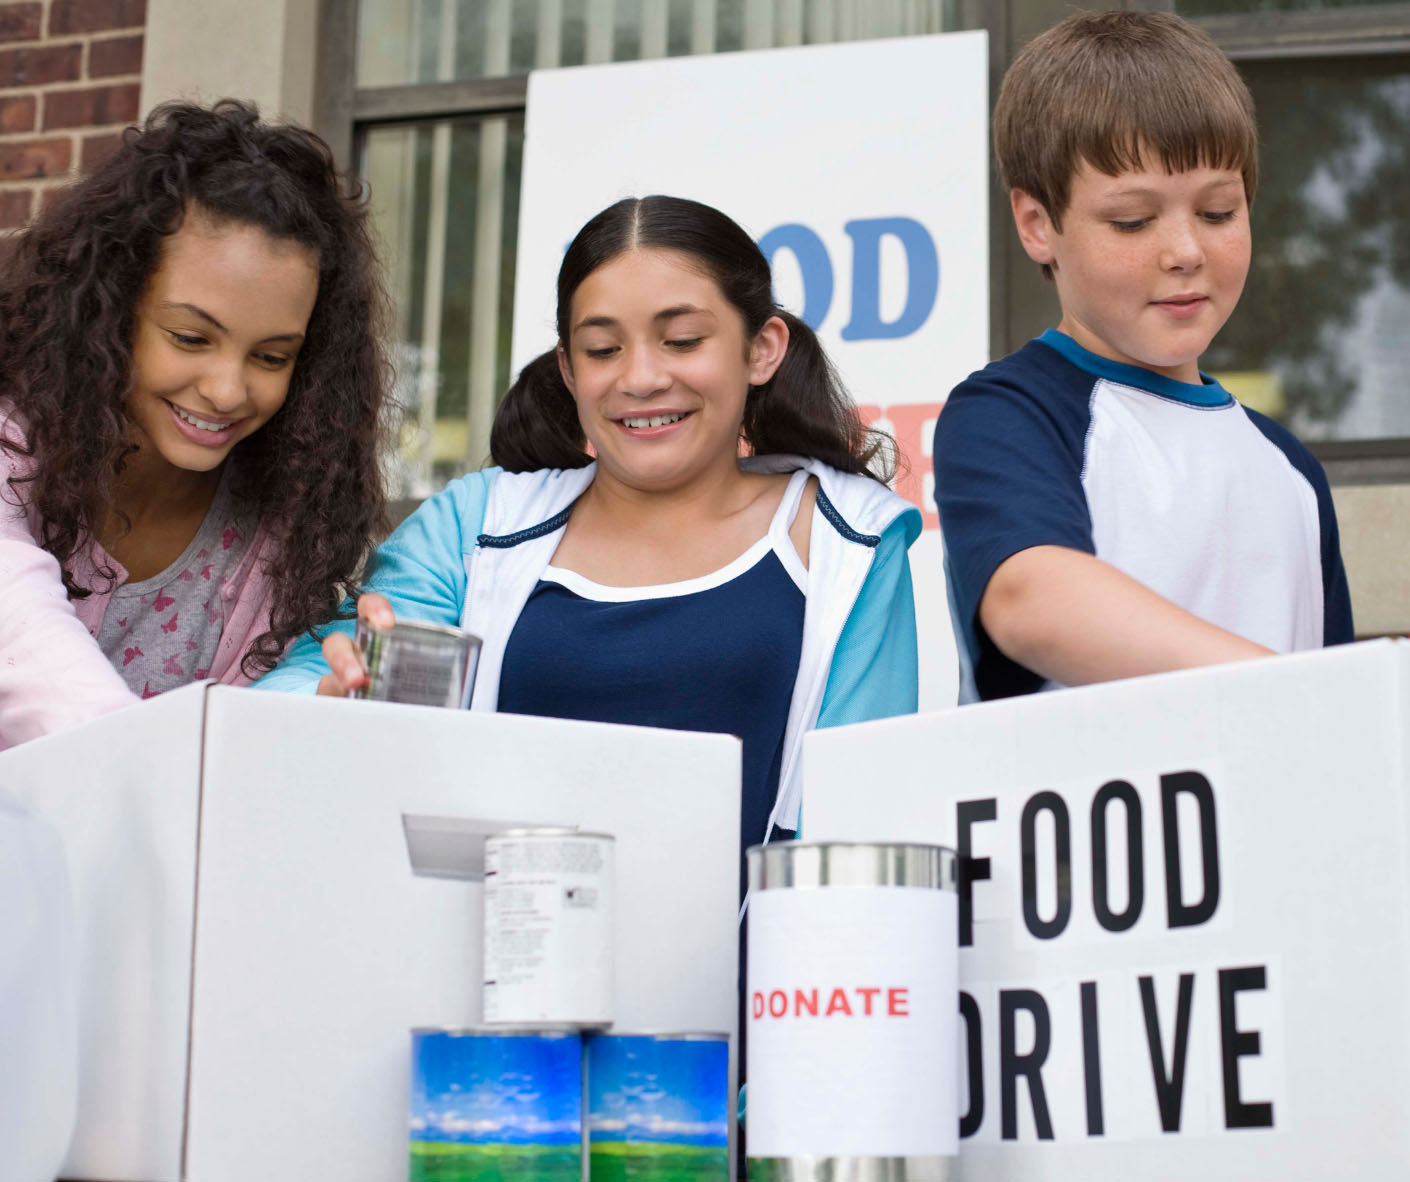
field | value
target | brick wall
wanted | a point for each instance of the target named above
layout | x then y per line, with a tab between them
70	72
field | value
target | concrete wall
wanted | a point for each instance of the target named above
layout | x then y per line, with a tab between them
1375	543
265	50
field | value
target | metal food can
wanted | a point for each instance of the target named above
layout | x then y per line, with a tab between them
419	664
658	1107
494	1104
549	915
853	1000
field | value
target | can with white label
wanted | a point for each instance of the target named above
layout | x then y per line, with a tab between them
852	1012
549	915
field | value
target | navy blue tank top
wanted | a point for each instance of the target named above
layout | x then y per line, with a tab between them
717	653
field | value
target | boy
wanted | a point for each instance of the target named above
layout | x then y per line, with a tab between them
1108	510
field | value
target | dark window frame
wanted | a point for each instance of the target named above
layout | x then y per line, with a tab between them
1372	30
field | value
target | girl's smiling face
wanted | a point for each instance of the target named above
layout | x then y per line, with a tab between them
217	331
659	364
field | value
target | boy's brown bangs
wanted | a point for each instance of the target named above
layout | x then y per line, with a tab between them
1120	90
1176	132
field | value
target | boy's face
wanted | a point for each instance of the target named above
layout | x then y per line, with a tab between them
1148	264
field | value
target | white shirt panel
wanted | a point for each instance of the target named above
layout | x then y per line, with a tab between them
1198	505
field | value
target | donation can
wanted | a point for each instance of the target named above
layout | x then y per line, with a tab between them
549	917
658	1107
417	663
852	1011
493	1104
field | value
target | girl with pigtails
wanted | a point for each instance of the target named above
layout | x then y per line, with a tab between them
688	527
192	384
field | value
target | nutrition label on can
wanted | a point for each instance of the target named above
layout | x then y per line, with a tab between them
551	856
422	676
548	929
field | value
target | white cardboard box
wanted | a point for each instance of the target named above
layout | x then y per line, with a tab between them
255	947
1270	803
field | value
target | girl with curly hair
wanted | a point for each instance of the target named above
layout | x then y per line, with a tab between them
192	387
624	563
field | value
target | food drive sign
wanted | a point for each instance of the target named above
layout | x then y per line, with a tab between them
1186	1043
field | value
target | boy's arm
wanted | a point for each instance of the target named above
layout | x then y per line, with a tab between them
1075	619
1008	460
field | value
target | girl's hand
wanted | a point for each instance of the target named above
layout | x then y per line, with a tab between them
348	673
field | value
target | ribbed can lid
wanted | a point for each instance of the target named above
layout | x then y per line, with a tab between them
836	863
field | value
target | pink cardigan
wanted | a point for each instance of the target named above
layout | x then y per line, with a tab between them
52	672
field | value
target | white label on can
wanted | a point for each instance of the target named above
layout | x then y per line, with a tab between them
548	930
853	1013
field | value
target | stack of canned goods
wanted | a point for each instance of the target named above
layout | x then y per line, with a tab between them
559	1106
540	1091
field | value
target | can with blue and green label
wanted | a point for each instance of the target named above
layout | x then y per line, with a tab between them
494	1105
658	1107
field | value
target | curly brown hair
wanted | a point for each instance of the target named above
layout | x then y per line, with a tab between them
68	297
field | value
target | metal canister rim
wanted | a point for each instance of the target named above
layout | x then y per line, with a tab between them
810	864
669	1035
590	1027
545	1031
422	627
810	1168
550	831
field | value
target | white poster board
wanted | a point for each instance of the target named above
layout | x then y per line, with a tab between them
862	170
1185	928
255	943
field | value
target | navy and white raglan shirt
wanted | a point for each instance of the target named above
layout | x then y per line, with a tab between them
1215	507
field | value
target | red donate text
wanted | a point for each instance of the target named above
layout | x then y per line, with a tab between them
857	1002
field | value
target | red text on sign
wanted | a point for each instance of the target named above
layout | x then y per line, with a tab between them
864	1001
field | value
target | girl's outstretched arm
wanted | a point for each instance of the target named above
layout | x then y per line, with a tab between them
418	572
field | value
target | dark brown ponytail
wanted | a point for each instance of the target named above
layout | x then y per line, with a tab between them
537	425
805	411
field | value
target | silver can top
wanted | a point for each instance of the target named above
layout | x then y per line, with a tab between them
802	864
422	630
497	1031
666	1035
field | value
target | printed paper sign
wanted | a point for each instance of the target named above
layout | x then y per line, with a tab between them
1183	924
852	1046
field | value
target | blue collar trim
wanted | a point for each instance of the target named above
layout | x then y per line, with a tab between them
507	541
1207	393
